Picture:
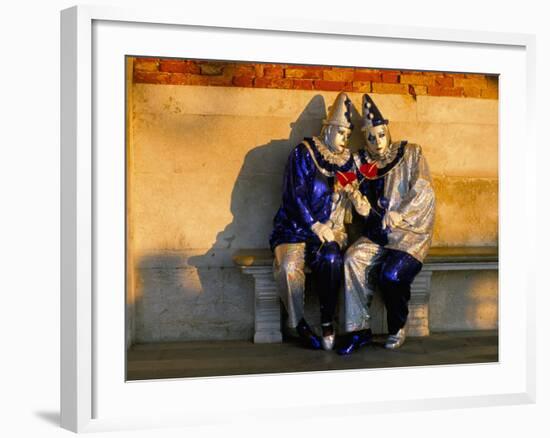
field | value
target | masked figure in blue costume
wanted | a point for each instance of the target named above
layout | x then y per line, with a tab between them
394	196
309	226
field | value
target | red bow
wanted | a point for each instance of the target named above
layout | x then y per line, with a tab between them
369	170
345	178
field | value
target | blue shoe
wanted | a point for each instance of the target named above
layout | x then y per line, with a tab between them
309	339
355	341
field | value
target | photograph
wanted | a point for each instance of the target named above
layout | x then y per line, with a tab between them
234	219
289	218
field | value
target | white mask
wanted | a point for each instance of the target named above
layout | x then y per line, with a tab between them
336	137
378	140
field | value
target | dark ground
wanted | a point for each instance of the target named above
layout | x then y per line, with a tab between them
222	358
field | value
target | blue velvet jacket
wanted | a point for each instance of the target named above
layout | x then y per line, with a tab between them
307	195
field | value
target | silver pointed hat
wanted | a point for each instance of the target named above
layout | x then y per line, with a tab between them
340	112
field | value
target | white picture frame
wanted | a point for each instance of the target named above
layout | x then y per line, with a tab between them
93	395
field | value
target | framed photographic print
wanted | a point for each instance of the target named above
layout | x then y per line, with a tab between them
178	140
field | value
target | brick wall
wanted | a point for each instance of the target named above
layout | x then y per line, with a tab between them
302	77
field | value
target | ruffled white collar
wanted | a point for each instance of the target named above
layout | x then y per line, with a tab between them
387	158
339	159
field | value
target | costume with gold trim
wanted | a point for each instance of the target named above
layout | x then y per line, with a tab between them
313	197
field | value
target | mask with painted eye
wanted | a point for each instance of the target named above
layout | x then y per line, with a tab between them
375	129
377	140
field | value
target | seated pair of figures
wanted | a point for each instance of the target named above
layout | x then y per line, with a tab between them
387	183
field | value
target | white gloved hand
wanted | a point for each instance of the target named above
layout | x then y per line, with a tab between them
391	219
323	232
351	187
360	202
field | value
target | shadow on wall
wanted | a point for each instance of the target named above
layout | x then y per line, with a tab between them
257	192
196	295
255	198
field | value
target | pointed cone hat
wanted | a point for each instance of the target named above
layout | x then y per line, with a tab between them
340	112
371	114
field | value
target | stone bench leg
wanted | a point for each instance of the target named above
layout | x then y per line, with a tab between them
418	322
267	307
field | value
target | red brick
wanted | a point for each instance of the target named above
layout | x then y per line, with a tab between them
146	64
138	59
146	77
272	83
333	85
390	77
492	82
385	88
472	92
361	86
455	75
444	81
303	66
474	75
179	67
243	81
244	70
302	84
192	79
180	79
367	75
213	68
479	81
273	72
489	93
303	73
338	75
259	70
417	79
218	80
188	79
418	90
444	91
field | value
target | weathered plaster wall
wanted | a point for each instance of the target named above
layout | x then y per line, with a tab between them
206	168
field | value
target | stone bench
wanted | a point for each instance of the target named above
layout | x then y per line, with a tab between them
267	317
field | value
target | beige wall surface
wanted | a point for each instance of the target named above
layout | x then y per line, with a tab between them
205	168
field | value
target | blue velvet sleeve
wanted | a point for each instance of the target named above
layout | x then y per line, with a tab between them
299	173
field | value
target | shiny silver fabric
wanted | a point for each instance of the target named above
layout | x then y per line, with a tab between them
408	187
288	271
328	342
410	192
341	207
359	260
360	202
395	341
289	262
